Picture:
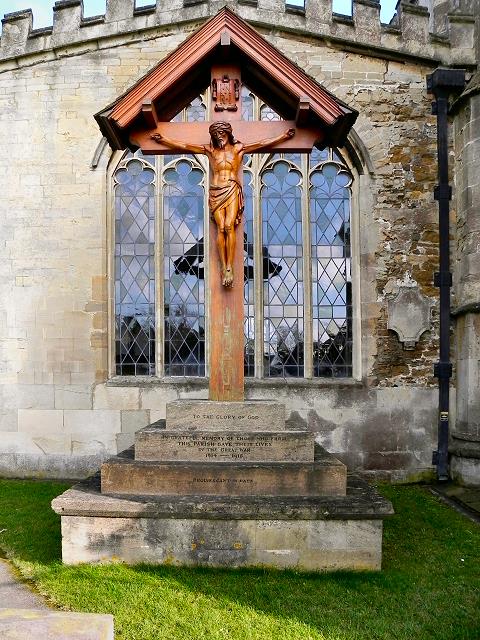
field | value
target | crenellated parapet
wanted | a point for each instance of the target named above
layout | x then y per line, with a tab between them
409	35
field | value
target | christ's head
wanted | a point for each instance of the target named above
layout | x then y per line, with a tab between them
221	133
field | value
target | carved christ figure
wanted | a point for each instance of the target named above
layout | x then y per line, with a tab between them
225	197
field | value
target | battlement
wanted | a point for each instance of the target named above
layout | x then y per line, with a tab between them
407	36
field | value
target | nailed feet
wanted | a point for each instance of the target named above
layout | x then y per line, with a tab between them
227	279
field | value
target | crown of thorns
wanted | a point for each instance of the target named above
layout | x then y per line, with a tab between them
222	127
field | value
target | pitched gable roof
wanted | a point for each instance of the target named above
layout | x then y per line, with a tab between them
177	79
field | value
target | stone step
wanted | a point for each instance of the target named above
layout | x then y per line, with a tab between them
209	415
122	475
154	443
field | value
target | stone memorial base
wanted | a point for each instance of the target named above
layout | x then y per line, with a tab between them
224	484
310	534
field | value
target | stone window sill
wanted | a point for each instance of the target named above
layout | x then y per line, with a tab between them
250	383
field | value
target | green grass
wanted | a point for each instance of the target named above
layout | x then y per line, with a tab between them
428	589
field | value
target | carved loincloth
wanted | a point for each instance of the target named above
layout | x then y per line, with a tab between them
223	197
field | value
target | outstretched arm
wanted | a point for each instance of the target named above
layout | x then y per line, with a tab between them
177	144
255	146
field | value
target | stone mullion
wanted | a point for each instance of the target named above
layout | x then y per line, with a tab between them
206	261
159	271
258	268
111	217
307	272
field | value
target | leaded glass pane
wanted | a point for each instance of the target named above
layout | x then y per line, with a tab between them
196	111
135	269
332	291
184	288
249	302
268	114
283	289
247	104
317	156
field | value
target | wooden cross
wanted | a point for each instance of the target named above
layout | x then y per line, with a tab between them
226	338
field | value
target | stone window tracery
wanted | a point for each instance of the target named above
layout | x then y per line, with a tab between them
297	281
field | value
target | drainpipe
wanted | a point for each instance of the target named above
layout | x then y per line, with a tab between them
443	83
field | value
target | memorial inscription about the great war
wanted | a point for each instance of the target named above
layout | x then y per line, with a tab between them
223	446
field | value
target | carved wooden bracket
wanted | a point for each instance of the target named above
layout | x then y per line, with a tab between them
409	315
226	93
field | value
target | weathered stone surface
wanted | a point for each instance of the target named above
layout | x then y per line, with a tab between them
16	624
312	545
465	471
322	533
123	475
409	315
362	501
153	443
251	415
55	289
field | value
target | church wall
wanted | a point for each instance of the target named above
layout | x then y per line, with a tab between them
60	414
466	435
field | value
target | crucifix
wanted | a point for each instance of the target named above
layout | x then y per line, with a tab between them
230	139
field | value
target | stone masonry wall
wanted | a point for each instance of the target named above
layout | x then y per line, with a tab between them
60	414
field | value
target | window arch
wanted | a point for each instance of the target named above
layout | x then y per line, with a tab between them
297	283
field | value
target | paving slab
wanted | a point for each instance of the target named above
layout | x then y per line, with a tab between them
23	624
467	499
14	594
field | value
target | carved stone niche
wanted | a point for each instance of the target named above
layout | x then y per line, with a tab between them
409	315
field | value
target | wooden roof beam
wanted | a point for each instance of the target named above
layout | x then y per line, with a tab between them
149	114
303	111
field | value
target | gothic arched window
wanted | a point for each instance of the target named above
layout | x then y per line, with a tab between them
298	293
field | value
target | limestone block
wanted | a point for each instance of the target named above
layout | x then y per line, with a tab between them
125	476
154	443
16	442
35	463
133	421
461	29
96	422
254	415
124	441
54	625
67	16
120	398
318	11
91	445
16	29
414	21
119	10
73	397
308	545
277	6
157	398
366	16
38	422
59	443
465	471
27	396
9	420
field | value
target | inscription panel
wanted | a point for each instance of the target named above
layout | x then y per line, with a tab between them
158	444
208	415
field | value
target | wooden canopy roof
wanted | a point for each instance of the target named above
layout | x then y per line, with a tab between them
186	72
